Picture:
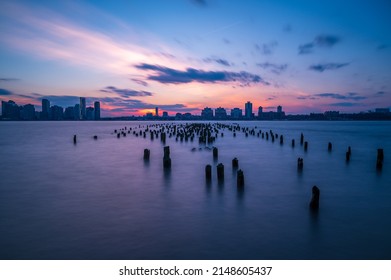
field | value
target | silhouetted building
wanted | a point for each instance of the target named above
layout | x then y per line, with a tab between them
165	115
207	113
76	112
187	116
69	113
260	111
331	115
45	115
248	110
178	116
83	111
236	113
382	110
90	113
10	110
27	112
157	112
97	110
279	109
56	113
220	113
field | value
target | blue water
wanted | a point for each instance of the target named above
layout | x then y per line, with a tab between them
99	199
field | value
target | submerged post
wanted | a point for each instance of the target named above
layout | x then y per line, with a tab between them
220	172
166	157
74	139
240	179
146	154
330	147
293	143
235	163
215	153
301	139
305	146
314	204
380	158
208	172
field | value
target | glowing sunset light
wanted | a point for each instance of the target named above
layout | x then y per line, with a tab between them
184	55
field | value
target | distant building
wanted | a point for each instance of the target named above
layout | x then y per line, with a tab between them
279	109
248	110
56	113
97	110
220	113
165	115
90	115
76	112
331	115
207	113
382	110
178	116
69	113
260	111
45	109
236	113
10	110
27	112
149	116
157	112
83	112
187	116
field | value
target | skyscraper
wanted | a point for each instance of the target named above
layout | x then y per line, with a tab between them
83	115
260	111
279	109
248	110
77	112
97	110
45	109
207	113
157	112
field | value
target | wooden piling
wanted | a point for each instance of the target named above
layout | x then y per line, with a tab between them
235	163
146	154
208	172
314	204
220	172
240	179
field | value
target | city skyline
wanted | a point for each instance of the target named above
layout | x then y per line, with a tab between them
185	55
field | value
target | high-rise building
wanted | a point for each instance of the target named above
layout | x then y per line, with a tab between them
45	109
236	113
83	112
165	114
56	113
69	113
27	112
157	112
207	113
279	109
76	111
10	110
248	109
97	110
260	111
220	113
90	113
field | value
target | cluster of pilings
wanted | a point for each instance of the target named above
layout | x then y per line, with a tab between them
207	135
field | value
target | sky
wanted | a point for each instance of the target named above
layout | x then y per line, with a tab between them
184	55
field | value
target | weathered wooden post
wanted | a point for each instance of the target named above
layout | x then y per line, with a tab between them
293	143
215	153
235	163
166	157
281	140
380	158
330	147
240	179
300	163
314	204
220	172
208	172
146	154
305	146
74	139
301	139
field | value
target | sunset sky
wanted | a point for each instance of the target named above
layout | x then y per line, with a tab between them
184	55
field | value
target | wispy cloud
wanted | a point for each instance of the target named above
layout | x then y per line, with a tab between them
4	92
326	66
321	41
266	49
167	75
347	96
8	79
273	67
140	82
218	60
46	34
125	92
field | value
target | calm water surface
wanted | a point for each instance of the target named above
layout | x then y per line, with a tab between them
100	200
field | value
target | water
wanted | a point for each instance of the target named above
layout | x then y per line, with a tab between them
99	199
